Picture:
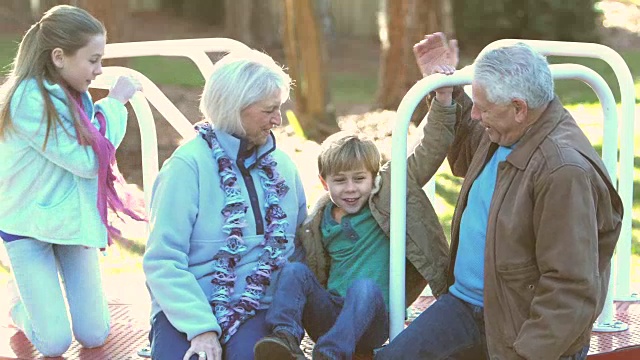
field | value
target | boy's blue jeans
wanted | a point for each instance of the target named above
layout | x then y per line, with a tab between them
339	325
448	329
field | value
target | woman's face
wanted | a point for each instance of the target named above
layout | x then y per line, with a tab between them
259	118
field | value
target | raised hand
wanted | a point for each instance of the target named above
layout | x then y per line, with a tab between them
434	54
124	88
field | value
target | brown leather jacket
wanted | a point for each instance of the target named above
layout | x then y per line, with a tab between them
427	248
553	225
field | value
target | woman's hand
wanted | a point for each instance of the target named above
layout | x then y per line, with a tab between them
124	88
206	343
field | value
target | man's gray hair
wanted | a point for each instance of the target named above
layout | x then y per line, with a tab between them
239	80
515	72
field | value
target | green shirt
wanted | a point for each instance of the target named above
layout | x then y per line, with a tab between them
358	249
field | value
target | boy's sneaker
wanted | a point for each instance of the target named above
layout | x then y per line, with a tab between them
280	345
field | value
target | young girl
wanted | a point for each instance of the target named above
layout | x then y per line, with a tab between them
56	178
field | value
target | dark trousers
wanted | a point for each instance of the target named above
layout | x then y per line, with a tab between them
448	329
170	344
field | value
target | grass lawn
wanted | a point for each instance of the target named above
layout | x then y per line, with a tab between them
360	88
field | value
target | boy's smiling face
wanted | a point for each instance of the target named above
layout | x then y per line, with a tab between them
349	190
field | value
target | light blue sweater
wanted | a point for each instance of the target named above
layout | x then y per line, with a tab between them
50	194
186	230
469	268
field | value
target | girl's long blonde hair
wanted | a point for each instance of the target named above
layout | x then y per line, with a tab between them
66	27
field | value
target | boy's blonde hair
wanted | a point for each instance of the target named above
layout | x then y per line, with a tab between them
345	151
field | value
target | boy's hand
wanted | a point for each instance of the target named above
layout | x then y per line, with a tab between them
124	89
444	95
435	55
434	51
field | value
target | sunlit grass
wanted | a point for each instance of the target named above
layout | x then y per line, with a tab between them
8	49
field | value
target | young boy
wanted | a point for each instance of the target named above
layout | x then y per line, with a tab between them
340	297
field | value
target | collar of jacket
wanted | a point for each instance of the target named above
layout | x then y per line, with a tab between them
56	92
232	146
530	141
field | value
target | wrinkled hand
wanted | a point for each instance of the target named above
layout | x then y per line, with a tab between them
434	51
435	55
207	342
124	88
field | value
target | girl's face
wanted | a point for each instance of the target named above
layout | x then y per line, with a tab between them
80	69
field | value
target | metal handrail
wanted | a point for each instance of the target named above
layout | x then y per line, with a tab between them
627	111
399	158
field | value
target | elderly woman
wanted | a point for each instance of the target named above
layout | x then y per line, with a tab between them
224	212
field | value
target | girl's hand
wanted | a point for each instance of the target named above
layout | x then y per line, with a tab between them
206	343
124	89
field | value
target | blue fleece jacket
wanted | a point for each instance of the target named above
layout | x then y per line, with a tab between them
50	194
186	229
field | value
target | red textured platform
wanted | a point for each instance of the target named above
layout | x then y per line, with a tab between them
129	330
624	345
128	335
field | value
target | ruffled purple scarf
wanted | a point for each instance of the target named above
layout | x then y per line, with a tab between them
108	174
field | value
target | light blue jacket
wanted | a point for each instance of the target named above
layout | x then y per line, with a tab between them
50	194
186	229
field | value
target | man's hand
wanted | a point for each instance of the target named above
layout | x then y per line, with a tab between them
434	51
206	343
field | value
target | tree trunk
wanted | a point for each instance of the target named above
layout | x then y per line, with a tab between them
41	6
115	16
265	25
204	11
404	23
238	21
392	66
21	9
306	54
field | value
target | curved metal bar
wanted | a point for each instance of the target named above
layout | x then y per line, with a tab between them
627	114
399	159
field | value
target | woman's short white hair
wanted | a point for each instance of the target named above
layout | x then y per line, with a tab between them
239	80
514	72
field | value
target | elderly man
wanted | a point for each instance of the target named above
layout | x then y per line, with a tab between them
535	226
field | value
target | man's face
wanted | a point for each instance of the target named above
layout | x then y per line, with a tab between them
349	190
500	121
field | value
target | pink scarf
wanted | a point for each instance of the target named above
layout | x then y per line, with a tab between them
108	174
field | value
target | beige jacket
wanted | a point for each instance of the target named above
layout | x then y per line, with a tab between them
553	225
427	248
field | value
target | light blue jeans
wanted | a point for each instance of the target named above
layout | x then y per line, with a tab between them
41	312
